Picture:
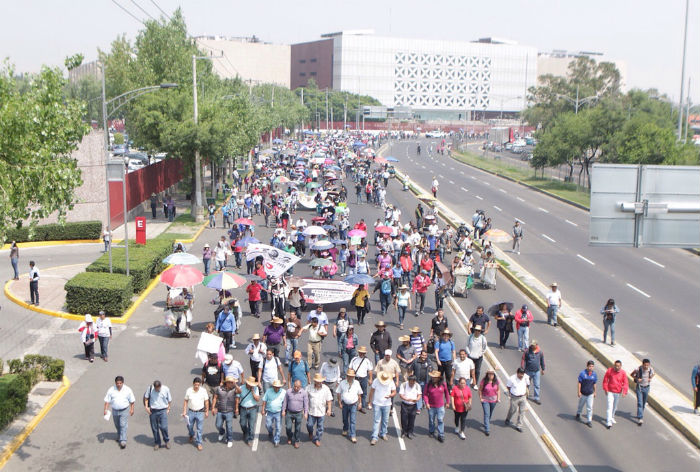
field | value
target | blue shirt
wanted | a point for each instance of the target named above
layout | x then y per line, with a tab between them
297	371
274	400
158	400
396	272
246	396
587	381
445	350
226	322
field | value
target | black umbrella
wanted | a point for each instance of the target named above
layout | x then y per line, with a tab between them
497	307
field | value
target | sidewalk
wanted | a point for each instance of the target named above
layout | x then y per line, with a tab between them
673	405
52	296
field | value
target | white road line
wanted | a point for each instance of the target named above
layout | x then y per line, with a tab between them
452	168
501	190
637	290
571	223
471	176
520	199
547	237
486	183
587	260
258	421
542	209
461	172
443	164
402	443
654	262
452	182
497	208
441	176
478	197
464	189
423	167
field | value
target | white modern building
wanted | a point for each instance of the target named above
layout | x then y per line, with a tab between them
435	78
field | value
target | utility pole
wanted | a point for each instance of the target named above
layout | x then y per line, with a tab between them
345	113
687	114
302	115
680	100
106	131
326	110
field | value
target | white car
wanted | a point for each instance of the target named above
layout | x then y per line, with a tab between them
434	134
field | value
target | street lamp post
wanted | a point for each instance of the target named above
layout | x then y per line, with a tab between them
578	101
118	102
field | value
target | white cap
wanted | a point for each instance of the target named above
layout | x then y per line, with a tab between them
88	318
387	352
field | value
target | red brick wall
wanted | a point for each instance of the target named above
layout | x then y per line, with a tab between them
312	60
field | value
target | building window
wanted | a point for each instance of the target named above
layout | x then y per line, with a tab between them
302	61
313	60
312	73
302	74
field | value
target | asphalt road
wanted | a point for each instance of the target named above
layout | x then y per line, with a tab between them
74	436
655	289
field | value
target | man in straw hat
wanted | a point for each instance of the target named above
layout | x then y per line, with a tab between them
247	408
363	369
417	340
275	335
294	408
380	396
436	396
406	354
445	354
223	406
272	410
349	392
553	304
476	348
380	340
256	351
410	393
320	404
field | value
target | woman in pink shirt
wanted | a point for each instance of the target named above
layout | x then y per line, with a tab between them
461	404
489	395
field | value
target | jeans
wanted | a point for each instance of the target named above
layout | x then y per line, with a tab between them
519	405
273	423
488	408
436	415
104	345
402	313
349	418
552	311
609	324
535	377
588	401
523	337
642	394
343	267
212	220
195	417
364	383
206	266
171	214
381	421
247	419
439	300
503	337
121	422
159	425
15	261
408	417
385	301
359	198
220	264
290	347
34	291
613	400
153	211
227	417
254	307
420	302
420	403
316	421
293	420
477	368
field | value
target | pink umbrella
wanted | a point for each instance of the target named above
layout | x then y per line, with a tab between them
357	232
244	221
180	276
383	229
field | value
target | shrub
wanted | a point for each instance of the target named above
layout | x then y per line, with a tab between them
90	292
15	366
14	393
56	232
53	371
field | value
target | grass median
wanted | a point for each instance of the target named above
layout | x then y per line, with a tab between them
565	190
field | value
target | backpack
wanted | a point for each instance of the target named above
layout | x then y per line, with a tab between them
430	346
386	287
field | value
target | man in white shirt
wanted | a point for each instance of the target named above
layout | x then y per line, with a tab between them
476	348
380	396
331	372
256	351
410	393
320	315
119	397
195	408
517	386
553	304
233	367
349	392
270	370
320	402
363	368
463	367
104	333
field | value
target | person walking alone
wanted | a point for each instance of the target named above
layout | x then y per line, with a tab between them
14	259
517	236
615	385
119	398
33	283
695	384
609	312
642	377
553	304
157	401
587	380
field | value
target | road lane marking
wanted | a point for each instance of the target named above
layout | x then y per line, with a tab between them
571	223
501	190
478	197
497	208
452	182
443	165
461	172
471	176
486	183
464	189
639	291
402	444
257	432
547	237
441	176
654	262
542	209
587	260
423	167
452	168
520	199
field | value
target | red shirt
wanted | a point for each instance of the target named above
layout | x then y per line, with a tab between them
253	292
427	264
421	283
615	382
260	272
461	397
361	225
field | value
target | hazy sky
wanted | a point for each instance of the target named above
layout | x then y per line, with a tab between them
646	34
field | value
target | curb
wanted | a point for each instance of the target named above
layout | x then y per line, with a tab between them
52	243
665	411
31	426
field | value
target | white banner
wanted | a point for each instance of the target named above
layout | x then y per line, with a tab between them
327	291
275	261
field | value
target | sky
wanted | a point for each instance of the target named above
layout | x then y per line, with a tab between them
646	34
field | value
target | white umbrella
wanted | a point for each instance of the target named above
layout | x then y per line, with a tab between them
314	230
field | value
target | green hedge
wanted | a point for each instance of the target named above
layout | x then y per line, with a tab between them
14	393
56	232
145	262
90	292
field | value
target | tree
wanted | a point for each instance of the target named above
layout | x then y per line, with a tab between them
38	130
74	61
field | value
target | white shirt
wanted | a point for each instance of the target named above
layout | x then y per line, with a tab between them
361	366
270	371
318	399
322	317
103	327
234	368
463	368
381	392
435	183
349	393
256	354
195	400
554	297
516	386
409	392
330	372
476	347
119	399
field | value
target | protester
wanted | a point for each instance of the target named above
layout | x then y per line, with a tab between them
157	401
247	406
410	393
223	408
272	403
381	394
523	318
118	399
517	385
587	380
533	364
295	408
489	396
320	405
445	355
642	376
380	340
461	404
195	408
476	348
615	385
349	392
436	397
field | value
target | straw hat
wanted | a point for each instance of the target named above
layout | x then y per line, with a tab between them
319	378
435	374
277	320
255	336
277	383
403	287
384	378
230	378
477	328
415	329
447	331
554	284
404	338
251	381
379	323
350	373
362	349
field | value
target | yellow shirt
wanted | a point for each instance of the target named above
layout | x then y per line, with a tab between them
360	295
